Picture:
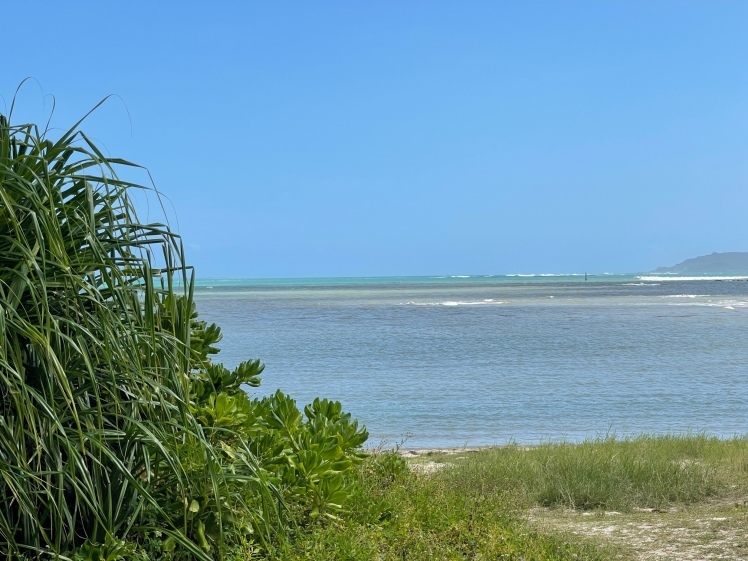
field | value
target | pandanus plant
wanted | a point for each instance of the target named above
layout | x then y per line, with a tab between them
95	360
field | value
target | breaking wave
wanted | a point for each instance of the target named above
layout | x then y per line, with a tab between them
674	279
487	301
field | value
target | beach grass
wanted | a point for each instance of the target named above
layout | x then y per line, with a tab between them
608	473
540	502
406	514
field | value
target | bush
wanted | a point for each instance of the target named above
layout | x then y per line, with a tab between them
119	438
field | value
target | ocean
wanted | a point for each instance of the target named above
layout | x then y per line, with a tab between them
483	360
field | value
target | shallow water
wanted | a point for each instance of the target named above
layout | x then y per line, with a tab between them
485	360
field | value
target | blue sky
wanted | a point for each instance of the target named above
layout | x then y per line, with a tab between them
411	138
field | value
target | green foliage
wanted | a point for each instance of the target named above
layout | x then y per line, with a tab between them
309	457
119	437
404	515
610	473
476	505
111	550
93	395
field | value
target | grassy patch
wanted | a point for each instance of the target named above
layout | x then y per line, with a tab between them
607	474
401	514
546	502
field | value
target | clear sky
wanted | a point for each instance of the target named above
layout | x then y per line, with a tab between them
411	137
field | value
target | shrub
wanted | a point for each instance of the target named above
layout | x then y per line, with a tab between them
119	437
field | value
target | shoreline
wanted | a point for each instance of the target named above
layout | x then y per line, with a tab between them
453	450
416	452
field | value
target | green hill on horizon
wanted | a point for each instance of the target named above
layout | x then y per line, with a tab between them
734	262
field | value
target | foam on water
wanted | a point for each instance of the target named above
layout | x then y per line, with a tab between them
546	275
727	304
684	279
690	301
454	303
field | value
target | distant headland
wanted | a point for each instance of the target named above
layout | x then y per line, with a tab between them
734	262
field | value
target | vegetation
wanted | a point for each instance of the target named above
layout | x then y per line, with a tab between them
119	437
610	473
651	497
122	438
446	514
523	503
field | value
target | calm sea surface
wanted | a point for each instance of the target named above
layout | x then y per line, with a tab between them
450	361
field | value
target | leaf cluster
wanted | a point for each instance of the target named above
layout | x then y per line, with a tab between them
119	437
309	457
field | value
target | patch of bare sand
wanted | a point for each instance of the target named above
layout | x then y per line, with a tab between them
426	467
419	462
416	453
715	532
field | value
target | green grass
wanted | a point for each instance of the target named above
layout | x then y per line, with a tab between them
401	514
609	473
478	505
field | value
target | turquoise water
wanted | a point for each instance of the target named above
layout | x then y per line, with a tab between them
456	360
